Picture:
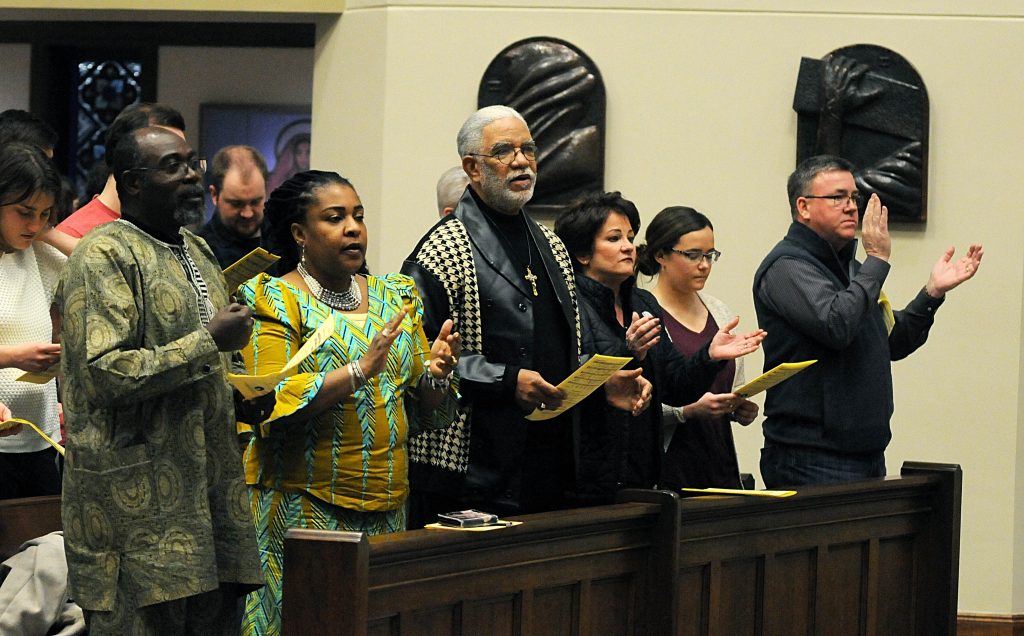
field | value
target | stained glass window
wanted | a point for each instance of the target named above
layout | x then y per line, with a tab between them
103	89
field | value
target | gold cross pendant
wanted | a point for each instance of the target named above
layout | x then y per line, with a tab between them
532	279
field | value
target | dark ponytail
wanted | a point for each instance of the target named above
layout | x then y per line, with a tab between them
663	233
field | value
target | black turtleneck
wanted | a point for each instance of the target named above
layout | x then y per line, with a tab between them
550	331
547	467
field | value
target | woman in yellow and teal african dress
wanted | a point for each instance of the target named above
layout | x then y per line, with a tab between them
332	454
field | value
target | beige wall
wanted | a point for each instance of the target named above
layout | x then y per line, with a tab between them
699	113
192	75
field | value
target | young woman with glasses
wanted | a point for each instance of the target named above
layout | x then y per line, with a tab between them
700	452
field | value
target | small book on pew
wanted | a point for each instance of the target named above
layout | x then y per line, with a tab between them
468	519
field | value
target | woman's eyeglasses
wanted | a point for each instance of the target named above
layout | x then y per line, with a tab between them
695	256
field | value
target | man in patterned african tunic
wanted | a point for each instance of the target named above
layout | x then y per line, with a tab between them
158	532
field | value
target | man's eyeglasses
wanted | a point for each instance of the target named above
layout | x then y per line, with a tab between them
696	256
506	153
838	200
176	168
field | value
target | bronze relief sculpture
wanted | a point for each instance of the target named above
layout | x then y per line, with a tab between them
867	104
559	91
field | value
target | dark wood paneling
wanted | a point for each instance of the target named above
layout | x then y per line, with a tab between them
841	590
739	581
789	600
24	519
694	604
555	607
859	558
496	615
990	625
895	588
608	599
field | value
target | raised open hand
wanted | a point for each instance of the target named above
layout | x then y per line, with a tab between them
729	346
947	273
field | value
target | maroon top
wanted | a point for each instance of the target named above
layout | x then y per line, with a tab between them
701	453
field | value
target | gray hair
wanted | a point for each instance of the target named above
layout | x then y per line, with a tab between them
450	187
472	131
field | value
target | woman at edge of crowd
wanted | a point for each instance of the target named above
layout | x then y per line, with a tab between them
29	328
332	454
619	319
700	452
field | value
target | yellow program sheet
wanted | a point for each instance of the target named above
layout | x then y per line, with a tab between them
768	379
253	386
582	383
248	266
14	421
40	377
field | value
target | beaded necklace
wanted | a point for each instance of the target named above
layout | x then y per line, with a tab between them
344	301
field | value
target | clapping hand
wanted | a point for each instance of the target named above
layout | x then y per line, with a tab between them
745	411
642	334
729	346
231	327
947	273
628	391
534	392
377	353
874	230
445	352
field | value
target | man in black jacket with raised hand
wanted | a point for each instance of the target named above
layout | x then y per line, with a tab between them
830	422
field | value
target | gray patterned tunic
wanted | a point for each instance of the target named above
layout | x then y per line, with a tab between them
154	497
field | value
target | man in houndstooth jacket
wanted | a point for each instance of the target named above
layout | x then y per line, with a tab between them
508	284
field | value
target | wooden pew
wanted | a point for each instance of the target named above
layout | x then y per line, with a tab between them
24	519
873	557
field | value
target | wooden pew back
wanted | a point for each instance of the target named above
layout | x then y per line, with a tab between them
24	519
875	557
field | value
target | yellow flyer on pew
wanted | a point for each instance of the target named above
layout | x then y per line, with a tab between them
253	386
768	379
582	383
745	493
248	266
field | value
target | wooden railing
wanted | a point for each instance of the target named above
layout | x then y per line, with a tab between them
873	557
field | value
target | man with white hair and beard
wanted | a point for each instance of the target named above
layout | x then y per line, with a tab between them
158	533
507	282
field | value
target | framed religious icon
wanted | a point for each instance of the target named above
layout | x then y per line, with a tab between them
281	133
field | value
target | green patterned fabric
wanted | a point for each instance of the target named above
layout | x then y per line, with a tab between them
275	512
155	504
345	468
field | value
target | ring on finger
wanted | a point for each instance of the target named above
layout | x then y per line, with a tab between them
542	406
386	332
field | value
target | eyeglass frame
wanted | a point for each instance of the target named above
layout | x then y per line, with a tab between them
711	256
514	150
197	164
839	201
